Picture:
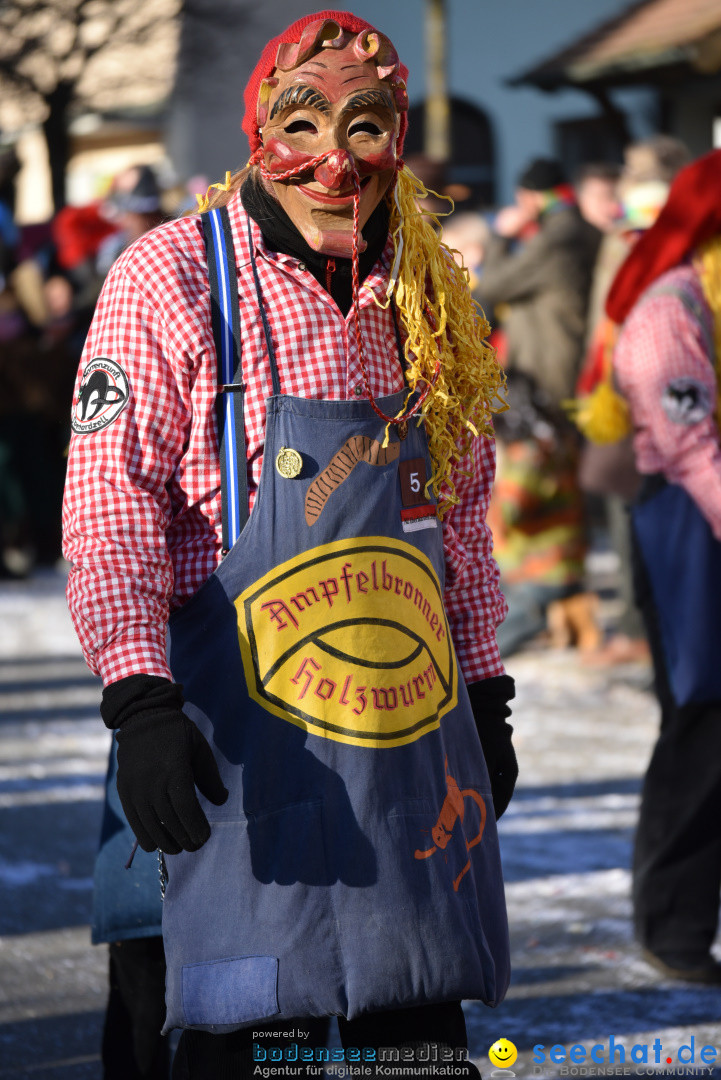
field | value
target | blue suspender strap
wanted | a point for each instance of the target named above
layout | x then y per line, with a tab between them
225	312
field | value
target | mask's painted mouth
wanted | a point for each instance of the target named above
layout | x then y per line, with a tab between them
334	198
340	198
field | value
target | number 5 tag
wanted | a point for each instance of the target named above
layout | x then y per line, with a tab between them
413	481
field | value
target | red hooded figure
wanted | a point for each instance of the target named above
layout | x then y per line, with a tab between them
666	365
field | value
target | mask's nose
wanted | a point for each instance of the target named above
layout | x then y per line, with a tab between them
336	171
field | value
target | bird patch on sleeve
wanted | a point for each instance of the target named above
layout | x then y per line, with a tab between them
103	394
686	400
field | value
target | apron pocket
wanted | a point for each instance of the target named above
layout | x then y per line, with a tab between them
287	845
232	991
436	853
248	924
419	939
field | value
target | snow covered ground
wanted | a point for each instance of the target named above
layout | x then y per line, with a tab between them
583	737
53	756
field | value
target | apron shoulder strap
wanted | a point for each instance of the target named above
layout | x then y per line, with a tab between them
399	342
225	315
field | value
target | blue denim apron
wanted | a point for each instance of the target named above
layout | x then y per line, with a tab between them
355	866
682	560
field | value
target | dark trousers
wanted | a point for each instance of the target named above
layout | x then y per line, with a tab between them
205	1056
133	1048
677	856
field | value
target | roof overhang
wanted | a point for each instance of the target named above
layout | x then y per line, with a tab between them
656	41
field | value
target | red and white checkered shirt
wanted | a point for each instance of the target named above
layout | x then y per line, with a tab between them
664	352
142	511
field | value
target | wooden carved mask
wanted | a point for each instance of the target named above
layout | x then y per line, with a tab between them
334	94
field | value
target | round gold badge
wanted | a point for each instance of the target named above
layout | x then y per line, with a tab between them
289	463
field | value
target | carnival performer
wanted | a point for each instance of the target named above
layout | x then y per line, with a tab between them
667	295
282	456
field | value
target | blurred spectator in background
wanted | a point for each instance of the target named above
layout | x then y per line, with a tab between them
537	268
648	169
535	280
78	233
36	377
537	519
607	471
667	296
596	188
467	233
9	234
134	206
184	196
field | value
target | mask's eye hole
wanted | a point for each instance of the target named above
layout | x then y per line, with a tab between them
366	127
299	125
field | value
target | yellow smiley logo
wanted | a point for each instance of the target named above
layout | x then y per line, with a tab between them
503	1053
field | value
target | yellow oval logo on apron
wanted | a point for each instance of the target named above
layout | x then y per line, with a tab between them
350	641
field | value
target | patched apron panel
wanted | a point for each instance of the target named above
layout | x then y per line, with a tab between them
355	865
682	560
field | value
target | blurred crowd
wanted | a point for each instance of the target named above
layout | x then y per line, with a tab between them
541	269
51	275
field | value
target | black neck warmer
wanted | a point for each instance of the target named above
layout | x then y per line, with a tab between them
280	234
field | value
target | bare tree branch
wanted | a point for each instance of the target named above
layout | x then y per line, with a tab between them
44	42
56	54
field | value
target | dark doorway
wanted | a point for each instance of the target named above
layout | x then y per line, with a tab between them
591	139
471	173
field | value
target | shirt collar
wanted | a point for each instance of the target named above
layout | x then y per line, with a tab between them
374	287
376	283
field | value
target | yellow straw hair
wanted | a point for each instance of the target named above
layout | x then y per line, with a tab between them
425	278
424	275
208	201
709	267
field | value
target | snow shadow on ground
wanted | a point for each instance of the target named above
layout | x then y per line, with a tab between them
53	1047
46	688
52	683
590	1017
554	828
47	854
622	785
49	713
565	852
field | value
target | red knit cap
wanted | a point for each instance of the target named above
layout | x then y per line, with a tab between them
690	216
266	65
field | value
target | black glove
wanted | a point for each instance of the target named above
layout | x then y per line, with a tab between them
489	702
162	757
